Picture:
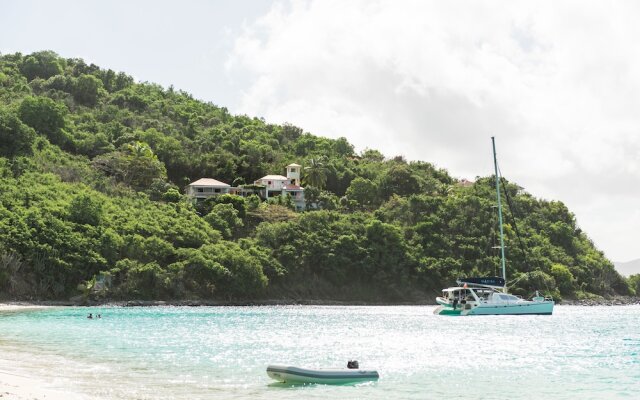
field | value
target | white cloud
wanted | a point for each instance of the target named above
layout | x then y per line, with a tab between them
556	82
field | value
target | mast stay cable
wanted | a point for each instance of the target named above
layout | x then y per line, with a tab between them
523	248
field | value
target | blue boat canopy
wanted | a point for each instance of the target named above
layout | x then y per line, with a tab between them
486	281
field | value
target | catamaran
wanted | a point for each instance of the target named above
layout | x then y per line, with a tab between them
488	295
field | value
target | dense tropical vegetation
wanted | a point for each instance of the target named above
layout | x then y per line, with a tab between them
93	167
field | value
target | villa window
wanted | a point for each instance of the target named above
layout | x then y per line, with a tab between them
216	190
200	190
293	170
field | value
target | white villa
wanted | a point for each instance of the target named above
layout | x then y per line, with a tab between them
278	185
274	185
207	187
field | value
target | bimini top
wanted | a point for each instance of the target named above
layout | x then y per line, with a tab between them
492	281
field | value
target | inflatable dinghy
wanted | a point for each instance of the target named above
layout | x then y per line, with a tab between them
288	374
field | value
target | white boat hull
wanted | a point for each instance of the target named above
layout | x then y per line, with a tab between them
519	308
289	374
536	308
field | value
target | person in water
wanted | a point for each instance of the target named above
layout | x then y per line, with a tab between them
90	316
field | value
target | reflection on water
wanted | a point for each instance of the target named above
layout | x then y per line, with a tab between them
222	352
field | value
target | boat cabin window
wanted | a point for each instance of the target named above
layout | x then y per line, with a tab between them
458	294
507	297
483	295
466	294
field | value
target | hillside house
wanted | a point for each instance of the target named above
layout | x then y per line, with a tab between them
266	187
278	185
206	187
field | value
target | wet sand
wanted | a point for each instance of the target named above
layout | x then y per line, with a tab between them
17	386
18	306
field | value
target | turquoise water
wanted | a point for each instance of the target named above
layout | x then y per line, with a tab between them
222	352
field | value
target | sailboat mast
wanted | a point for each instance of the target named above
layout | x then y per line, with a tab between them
495	165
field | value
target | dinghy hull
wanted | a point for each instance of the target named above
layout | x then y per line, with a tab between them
295	375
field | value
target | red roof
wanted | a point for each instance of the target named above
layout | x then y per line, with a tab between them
292	187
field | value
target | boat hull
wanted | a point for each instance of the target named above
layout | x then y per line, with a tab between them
444	310
295	375
523	308
532	308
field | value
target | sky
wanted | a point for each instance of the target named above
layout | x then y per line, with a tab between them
556	82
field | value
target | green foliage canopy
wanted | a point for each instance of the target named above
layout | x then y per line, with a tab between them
46	116
16	138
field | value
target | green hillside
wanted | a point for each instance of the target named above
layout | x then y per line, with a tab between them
93	169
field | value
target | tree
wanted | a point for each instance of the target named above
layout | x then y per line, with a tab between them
238	202
172	196
87	89
253	202
245	276
634	283
363	191
290	132
239	181
224	218
564	278
59	82
316	173
46	116
94	144
85	209
142	167
16	138
311	197
135	165
42	64
372	155
343	147
398	180
387	253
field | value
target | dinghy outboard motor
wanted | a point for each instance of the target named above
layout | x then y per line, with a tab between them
353	364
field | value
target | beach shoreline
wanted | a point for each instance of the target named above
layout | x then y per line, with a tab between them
20	387
18	306
8	305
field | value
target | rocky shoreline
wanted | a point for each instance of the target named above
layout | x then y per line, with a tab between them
615	301
207	303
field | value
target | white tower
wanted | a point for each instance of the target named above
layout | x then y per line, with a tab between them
293	173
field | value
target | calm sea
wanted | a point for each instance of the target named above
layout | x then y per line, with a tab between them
222	352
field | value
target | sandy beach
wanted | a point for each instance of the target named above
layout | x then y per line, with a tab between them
15	385
18	306
18	387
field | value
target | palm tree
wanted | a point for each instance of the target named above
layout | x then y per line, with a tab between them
315	173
